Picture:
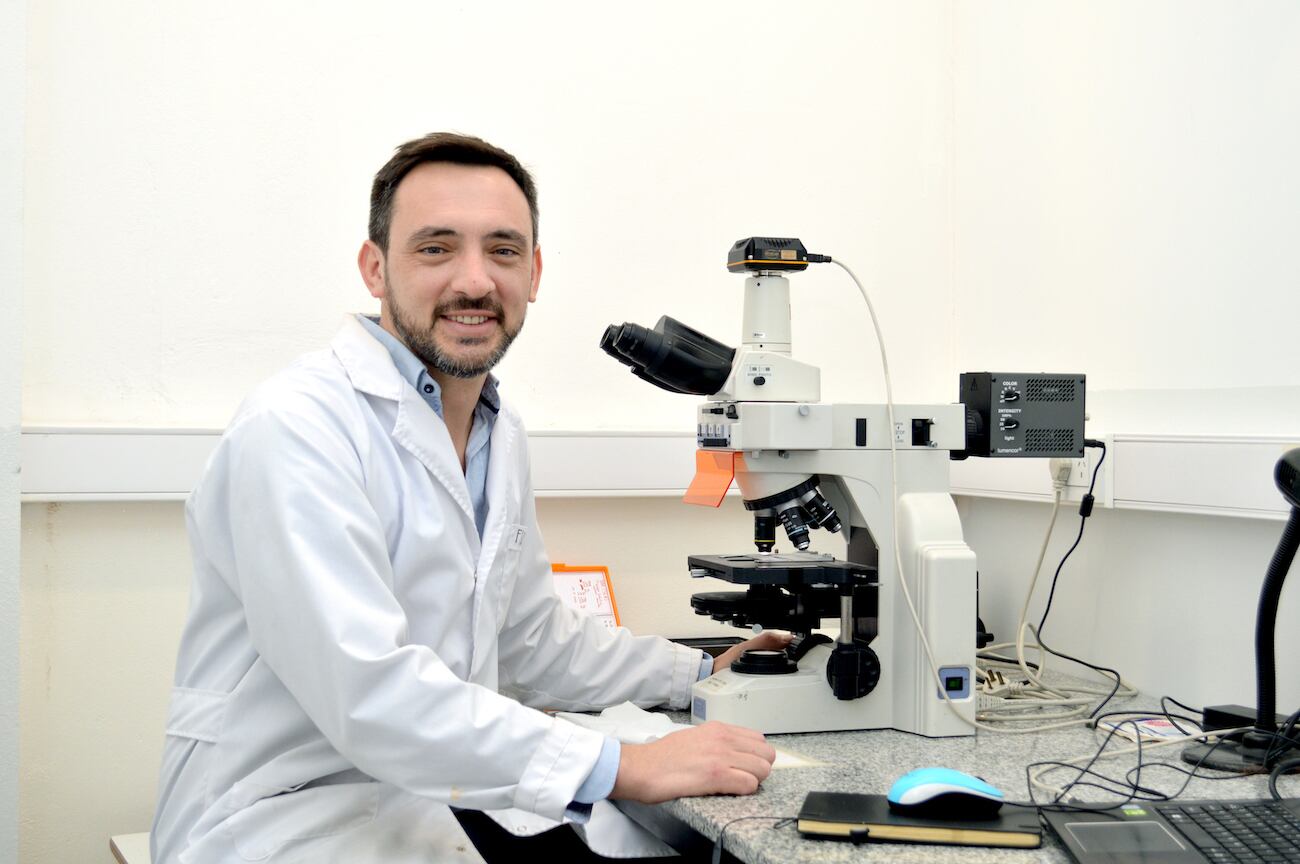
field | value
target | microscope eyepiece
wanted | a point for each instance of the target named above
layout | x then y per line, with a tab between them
672	356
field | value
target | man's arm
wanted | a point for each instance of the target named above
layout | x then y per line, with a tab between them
287	522
552	656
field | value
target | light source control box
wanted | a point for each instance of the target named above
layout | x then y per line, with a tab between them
1025	414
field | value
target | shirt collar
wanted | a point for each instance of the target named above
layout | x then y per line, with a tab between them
412	369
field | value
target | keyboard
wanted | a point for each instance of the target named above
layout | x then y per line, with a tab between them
1253	832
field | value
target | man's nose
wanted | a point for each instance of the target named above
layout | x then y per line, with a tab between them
472	277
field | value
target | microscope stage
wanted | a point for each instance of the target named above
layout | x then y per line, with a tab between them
793	568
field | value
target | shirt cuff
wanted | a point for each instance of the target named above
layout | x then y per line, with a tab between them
600	782
706	666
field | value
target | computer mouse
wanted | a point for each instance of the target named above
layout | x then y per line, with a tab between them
944	793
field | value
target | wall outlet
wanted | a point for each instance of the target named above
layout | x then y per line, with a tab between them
1080	475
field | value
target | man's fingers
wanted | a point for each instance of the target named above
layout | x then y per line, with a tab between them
751	764
748	739
738	782
755	745
768	640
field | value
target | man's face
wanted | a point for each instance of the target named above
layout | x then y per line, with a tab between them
461	267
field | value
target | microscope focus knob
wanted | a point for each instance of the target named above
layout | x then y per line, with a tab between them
853	671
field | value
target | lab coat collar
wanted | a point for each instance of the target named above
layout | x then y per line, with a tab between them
368	363
417	428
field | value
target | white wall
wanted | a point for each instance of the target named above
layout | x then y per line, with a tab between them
1125	194
12	73
198	178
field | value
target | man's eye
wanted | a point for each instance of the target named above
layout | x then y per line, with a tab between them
431	250
506	252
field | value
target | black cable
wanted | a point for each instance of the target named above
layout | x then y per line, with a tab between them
1285	739
1132	786
1174	766
1278	770
781	822
1085	770
1170	716
1093	666
1138	712
1184	706
1085	510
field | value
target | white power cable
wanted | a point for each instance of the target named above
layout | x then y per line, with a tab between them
898	557
1023	625
1022	622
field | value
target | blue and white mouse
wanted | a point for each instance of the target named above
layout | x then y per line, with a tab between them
944	793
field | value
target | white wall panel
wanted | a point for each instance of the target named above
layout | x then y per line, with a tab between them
13	57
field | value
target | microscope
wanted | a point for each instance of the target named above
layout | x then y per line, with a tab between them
825	473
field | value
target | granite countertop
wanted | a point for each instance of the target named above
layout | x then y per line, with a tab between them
869	762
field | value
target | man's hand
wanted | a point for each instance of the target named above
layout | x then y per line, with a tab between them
768	640
710	759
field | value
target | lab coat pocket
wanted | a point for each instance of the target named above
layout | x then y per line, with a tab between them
268	824
505	570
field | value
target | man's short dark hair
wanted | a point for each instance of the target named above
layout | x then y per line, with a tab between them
440	147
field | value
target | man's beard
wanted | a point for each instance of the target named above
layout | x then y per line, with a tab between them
423	345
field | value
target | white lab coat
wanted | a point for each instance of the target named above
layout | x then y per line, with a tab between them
337	679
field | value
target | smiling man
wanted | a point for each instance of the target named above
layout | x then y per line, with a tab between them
372	625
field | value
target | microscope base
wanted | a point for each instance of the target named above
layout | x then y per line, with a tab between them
801	701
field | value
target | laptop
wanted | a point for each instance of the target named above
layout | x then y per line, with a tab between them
1184	832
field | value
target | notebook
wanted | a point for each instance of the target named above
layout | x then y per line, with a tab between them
867	818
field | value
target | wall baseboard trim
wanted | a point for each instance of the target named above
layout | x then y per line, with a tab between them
1209	475
1212	475
113	464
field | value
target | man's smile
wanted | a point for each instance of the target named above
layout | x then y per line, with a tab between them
469	328
470	319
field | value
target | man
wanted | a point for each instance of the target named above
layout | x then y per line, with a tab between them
368	573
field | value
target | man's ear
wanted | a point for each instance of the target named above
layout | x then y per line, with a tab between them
537	273
370	261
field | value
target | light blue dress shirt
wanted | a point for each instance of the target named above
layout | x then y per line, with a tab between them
600	782
479	447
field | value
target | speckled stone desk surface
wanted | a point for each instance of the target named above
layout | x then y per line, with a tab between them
869	762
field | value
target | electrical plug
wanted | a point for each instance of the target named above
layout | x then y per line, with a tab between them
1060	470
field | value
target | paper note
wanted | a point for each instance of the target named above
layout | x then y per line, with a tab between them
1150	728
587	591
787	759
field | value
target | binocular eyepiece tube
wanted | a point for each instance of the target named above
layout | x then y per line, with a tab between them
672	356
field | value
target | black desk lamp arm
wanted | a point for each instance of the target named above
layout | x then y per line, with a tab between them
1266	624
